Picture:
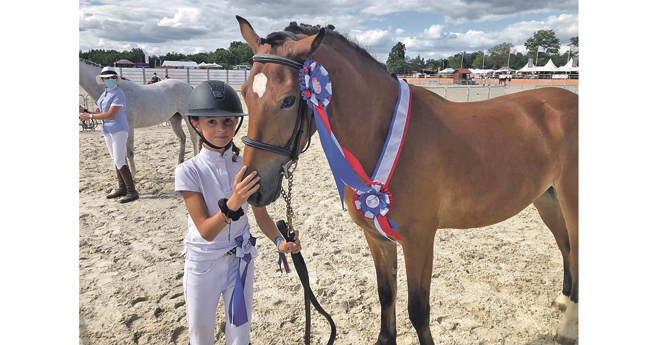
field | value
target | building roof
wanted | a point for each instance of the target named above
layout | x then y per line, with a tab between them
189	64
123	62
462	70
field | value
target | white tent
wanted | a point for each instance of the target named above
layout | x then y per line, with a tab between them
527	69
180	64
481	71
447	70
568	67
549	67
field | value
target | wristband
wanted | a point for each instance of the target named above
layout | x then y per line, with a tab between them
277	241
233	215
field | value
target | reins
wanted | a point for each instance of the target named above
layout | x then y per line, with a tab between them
286	227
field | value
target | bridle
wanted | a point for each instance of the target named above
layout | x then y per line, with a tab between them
291	148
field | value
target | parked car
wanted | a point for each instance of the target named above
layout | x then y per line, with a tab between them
242	67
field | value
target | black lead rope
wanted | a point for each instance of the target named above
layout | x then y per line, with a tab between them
303	274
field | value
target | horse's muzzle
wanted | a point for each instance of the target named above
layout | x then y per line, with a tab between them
267	193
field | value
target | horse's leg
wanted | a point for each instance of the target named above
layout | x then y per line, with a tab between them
130	151
550	211
383	252
175	121
567	194
194	138
418	253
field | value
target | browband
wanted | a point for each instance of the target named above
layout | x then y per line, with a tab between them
264	58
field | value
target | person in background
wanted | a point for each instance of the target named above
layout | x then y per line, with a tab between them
219	249
154	79
167	76
111	107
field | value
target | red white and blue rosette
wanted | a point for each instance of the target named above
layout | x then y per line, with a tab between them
373	203
371	199
315	84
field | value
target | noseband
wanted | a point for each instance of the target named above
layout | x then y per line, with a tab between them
291	147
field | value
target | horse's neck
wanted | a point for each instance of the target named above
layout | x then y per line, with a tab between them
363	99
87	80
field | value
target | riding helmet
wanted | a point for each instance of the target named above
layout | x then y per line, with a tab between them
214	98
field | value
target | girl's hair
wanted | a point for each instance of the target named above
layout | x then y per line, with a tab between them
234	148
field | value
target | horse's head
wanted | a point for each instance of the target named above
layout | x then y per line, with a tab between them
279	125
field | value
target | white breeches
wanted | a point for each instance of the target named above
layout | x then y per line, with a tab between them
203	283
116	143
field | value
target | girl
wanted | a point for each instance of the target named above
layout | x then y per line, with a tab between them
219	249
110	109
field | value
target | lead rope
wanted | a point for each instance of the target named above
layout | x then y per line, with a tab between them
287	231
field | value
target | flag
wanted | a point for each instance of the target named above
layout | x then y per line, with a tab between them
146	58
464	54
513	51
530	63
541	49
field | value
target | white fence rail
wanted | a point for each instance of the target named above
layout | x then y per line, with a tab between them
190	76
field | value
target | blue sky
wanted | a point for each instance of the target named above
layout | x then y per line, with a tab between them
429	28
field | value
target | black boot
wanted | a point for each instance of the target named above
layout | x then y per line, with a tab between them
131	193
121	190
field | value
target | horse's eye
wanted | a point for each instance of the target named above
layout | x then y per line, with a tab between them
288	102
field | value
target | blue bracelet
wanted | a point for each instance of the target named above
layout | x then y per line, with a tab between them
277	241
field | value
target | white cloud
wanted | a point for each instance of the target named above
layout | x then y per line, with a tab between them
184	17
435	31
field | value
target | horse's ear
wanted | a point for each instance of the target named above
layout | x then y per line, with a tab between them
248	33
307	46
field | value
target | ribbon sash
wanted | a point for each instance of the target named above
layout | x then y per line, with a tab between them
237	307
372	199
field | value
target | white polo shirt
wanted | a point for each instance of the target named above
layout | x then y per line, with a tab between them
211	174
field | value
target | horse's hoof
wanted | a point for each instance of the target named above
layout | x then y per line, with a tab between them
564	340
560	302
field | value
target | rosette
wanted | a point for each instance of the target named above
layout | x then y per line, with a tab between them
315	84
373	203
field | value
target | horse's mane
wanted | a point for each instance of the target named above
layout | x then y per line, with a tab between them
91	62
98	65
278	38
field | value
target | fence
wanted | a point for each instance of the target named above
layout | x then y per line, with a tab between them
190	76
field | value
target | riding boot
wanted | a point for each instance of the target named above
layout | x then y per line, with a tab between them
121	190
131	193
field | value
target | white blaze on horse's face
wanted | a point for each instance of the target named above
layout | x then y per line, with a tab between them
259	84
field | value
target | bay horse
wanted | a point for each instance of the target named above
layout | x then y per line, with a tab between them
462	165
146	105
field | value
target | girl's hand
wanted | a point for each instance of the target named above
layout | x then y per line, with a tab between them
81	109
290	247
243	189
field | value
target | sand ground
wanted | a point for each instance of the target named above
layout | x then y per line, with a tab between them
491	285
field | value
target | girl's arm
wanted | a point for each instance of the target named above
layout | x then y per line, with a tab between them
209	226
108	115
268	227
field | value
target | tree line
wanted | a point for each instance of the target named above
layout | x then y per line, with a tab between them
240	53
499	56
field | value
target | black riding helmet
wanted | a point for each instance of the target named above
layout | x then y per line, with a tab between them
214	98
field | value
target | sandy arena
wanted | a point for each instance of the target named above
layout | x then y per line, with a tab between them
491	285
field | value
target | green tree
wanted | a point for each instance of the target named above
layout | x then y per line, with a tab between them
499	55
576	42
417	64
396	61
433	64
543	38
